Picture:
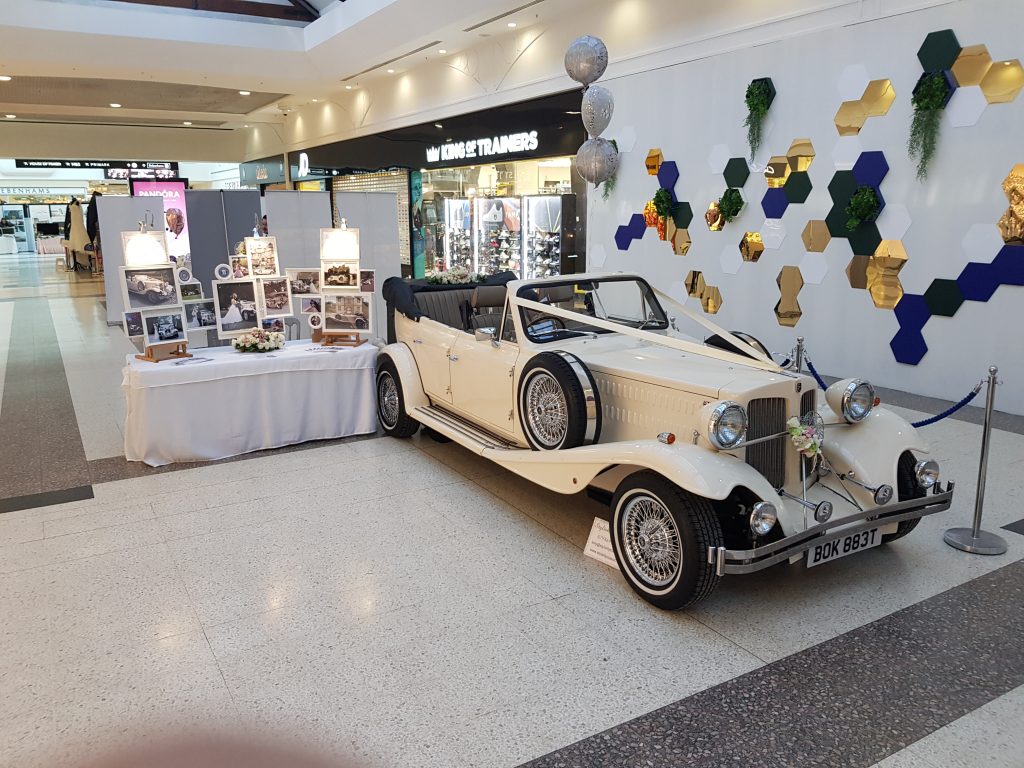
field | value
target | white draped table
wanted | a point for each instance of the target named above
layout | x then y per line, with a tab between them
223	403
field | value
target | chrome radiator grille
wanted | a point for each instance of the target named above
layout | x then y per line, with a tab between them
808	403
767	416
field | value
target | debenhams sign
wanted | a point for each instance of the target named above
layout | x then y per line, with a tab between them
511	144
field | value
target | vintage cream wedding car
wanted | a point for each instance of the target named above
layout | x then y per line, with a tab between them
583	382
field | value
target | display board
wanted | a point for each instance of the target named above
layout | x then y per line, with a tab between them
295	219
120	214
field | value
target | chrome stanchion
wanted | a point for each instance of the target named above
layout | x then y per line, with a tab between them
798	357
975	540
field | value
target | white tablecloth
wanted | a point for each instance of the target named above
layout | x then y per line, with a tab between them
224	403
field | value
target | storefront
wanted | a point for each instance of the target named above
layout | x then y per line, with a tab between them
487	192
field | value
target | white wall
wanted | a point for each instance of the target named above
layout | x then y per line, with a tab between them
688	108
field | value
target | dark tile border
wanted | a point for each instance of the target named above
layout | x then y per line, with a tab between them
850	701
1017	527
46	499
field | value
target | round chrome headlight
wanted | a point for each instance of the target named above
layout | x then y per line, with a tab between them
728	425
927	473
858	400
763	517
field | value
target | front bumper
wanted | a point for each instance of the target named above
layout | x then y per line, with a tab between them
752	560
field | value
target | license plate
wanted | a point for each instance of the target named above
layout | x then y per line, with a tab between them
833	550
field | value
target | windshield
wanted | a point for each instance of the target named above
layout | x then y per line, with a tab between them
625	300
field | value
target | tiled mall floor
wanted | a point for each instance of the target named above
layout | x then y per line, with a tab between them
405	603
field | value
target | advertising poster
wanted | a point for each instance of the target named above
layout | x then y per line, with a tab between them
175	218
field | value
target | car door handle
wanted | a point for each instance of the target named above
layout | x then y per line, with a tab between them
417	341
453	358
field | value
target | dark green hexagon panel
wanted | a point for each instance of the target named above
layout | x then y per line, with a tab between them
943	297
938	51
864	240
842	187
836	221
798	187
736	172
682	215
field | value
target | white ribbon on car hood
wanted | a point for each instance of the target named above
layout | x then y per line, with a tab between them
671	342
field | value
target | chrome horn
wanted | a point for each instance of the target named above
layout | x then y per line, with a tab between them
882	494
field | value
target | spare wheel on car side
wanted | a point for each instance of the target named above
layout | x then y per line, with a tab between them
559	405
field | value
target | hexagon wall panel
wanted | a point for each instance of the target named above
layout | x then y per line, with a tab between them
800	155
798	187
777	172
972	65
878	98
864	240
713	217
718	158
893	222
773	232
857	272
981	240
966	106
653	161
814	267
816	236
731	260
682	215
938	51
627	233
852	82
870	169
694	283
671	229
774	203
1003	81
681	241
751	246
846	152
787	310
711	299
1011	224
850	118
736	172
943	297
668	175
882	273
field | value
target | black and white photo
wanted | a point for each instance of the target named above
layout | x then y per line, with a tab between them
163	328
236	306
275	297
147	287
310	305
347	313
200	314
133	326
191	291
304	281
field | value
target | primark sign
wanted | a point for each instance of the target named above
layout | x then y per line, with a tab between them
473	149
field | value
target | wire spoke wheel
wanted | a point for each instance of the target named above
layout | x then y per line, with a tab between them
387	399
546	410
651	540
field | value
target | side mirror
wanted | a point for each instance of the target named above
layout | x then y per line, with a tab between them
486	334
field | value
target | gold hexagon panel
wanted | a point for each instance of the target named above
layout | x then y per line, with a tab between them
882	274
681	242
878	98
694	283
653	161
1011	225
751	246
857	272
972	65
816	236
1003	81
800	155
777	171
711	299
850	118
788	311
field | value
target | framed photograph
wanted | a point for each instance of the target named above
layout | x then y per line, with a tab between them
339	244
200	314
163	326
262	253
310	305
239	267
133	326
222	272
235	302
275	296
339	274
190	291
316	322
144	248
273	324
348	313
367	281
304	281
149	286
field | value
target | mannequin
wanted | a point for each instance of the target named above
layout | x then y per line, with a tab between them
77	237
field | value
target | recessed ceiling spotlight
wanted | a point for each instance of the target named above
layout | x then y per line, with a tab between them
442	51
348	87
438	125
187	122
115	106
10	117
245	93
5	78
246	125
391	71
315	100
512	25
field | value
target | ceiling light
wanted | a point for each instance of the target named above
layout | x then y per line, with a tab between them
187	123
5	78
246	125
245	93
348	87
391	71
10	117
438	125
442	51
512	25
115	106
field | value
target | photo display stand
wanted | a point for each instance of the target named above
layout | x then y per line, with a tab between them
347	311
169	351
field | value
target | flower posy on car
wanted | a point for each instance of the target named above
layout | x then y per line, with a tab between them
258	341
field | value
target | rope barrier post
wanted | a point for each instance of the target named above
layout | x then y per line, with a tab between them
975	540
799	356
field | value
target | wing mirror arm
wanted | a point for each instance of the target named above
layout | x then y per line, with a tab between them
487	334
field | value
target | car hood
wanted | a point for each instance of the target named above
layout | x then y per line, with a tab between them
654	364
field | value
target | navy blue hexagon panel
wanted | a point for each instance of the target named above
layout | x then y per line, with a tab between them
674	228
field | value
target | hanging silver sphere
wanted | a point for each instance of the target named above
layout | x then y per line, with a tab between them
598	106
597	160
586	60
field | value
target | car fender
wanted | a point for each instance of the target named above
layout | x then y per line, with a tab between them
700	471
871	448
409	375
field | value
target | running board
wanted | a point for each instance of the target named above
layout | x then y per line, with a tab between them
461	431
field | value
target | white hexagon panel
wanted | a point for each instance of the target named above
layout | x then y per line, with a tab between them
773	232
846	152
966	106
814	267
852	82
982	242
731	259
625	138
718	158
625	210
893	222
596	255
678	292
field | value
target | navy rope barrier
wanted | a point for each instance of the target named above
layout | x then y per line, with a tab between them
924	422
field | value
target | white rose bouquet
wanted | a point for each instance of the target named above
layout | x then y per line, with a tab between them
258	341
